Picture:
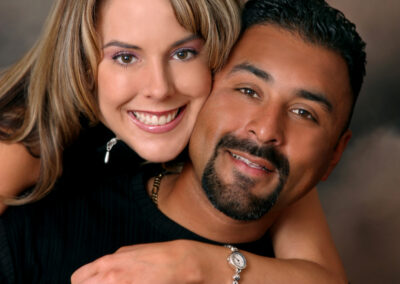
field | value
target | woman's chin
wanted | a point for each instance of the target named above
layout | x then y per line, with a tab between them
161	155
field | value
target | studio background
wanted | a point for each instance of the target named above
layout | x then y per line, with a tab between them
362	197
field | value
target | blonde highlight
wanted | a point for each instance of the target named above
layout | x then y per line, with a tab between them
217	22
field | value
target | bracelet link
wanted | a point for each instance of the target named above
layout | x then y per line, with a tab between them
236	277
237	261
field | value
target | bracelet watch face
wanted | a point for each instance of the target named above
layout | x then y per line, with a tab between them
237	260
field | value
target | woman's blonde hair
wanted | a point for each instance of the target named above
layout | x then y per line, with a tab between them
45	94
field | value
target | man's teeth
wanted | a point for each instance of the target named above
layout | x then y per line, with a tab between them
150	119
247	162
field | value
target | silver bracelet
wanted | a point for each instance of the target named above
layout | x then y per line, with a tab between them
237	261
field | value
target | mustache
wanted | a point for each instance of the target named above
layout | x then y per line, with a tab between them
269	153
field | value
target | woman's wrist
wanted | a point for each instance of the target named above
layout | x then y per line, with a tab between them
238	261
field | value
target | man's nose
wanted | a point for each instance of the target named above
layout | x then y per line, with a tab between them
267	126
158	81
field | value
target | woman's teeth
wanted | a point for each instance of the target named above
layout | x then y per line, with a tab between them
151	119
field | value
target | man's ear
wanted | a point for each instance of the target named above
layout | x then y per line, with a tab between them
337	154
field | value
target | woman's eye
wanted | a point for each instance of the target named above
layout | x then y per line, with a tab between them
248	92
125	59
184	54
304	113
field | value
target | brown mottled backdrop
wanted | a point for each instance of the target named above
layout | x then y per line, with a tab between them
362	197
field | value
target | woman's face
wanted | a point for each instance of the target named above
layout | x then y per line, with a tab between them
153	77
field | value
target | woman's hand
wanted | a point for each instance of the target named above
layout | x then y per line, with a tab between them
179	261
184	262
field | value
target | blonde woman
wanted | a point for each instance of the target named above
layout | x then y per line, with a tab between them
102	61
43	95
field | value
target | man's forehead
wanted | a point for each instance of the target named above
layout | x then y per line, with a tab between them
256	40
267	50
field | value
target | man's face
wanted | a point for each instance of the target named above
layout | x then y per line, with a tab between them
271	127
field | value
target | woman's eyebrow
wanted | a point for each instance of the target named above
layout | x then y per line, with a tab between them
184	40
132	46
121	44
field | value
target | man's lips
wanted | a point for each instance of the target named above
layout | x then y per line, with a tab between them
157	118
252	161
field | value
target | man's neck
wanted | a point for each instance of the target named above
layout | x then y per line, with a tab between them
183	200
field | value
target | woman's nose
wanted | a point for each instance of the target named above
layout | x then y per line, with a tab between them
159	81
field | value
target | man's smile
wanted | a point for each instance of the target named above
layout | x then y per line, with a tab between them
253	162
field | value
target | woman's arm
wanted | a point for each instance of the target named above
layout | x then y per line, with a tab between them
304	250
18	170
302	233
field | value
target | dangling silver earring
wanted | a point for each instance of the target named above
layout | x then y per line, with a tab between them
110	145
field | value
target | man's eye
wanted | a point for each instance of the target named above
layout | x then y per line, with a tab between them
304	113
248	92
124	59
184	54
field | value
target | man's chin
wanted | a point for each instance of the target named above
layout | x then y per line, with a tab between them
240	213
238	203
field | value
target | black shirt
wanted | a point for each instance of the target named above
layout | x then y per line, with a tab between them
92	212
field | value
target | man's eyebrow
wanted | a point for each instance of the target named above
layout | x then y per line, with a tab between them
252	69
132	46
316	97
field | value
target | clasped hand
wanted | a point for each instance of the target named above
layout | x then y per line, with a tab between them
180	261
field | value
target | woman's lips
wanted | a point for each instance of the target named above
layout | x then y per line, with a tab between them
157	122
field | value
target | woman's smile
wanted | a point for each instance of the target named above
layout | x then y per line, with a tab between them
158	122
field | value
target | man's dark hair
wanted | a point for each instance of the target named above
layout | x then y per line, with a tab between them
317	23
